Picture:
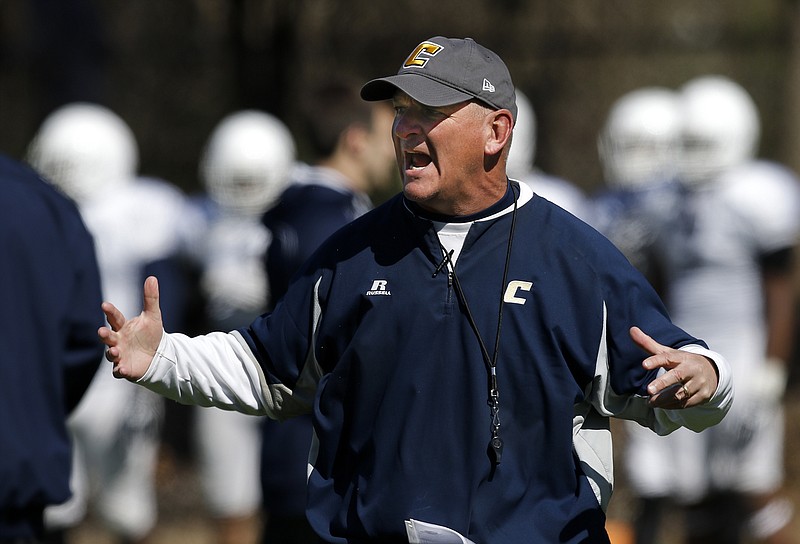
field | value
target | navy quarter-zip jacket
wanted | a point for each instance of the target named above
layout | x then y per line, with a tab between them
379	349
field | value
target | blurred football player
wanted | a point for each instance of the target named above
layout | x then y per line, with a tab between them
244	168
729	267
521	159
638	148
91	154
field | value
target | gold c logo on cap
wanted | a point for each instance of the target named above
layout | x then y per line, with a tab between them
420	56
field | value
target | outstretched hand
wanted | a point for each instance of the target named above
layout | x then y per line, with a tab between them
132	343
690	380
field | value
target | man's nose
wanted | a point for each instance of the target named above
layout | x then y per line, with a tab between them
405	125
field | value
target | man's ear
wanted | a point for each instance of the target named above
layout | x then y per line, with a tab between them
500	125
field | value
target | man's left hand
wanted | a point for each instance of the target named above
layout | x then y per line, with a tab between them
690	380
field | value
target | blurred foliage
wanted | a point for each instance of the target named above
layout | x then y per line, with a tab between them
173	69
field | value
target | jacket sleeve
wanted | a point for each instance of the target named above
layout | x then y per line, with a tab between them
265	369
635	406
216	369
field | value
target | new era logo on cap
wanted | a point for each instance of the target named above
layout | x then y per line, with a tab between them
444	71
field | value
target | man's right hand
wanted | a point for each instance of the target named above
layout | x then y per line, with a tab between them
132	343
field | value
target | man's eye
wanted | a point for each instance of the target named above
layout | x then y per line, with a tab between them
432	112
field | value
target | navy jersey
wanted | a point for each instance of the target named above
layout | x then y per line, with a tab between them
311	209
377	346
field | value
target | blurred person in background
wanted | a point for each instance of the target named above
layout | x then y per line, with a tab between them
521	160
638	147
50	285
90	154
351	142
729	266
244	167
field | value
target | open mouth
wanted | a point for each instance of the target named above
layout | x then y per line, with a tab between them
416	161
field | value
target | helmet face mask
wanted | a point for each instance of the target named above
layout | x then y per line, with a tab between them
242	191
703	158
721	128
640	140
636	162
247	162
84	149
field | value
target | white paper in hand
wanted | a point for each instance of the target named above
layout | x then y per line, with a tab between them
420	532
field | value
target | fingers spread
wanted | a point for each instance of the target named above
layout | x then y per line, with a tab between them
646	342
113	315
107	336
690	382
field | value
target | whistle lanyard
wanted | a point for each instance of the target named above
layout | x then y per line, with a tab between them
495	448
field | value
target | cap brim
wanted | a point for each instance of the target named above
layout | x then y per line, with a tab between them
423	89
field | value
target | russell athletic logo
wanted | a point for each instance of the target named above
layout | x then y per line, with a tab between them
379	288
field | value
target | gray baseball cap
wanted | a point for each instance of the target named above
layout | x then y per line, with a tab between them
445	71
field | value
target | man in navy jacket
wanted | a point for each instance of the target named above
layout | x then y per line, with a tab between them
461	348
49	287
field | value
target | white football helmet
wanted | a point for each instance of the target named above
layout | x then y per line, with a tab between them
84	149
640	141
721	128
247	161
523	144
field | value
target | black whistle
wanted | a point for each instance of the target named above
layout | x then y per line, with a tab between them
495	450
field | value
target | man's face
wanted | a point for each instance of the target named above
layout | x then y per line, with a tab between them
440	152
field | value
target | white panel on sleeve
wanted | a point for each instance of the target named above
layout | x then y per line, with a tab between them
216	369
